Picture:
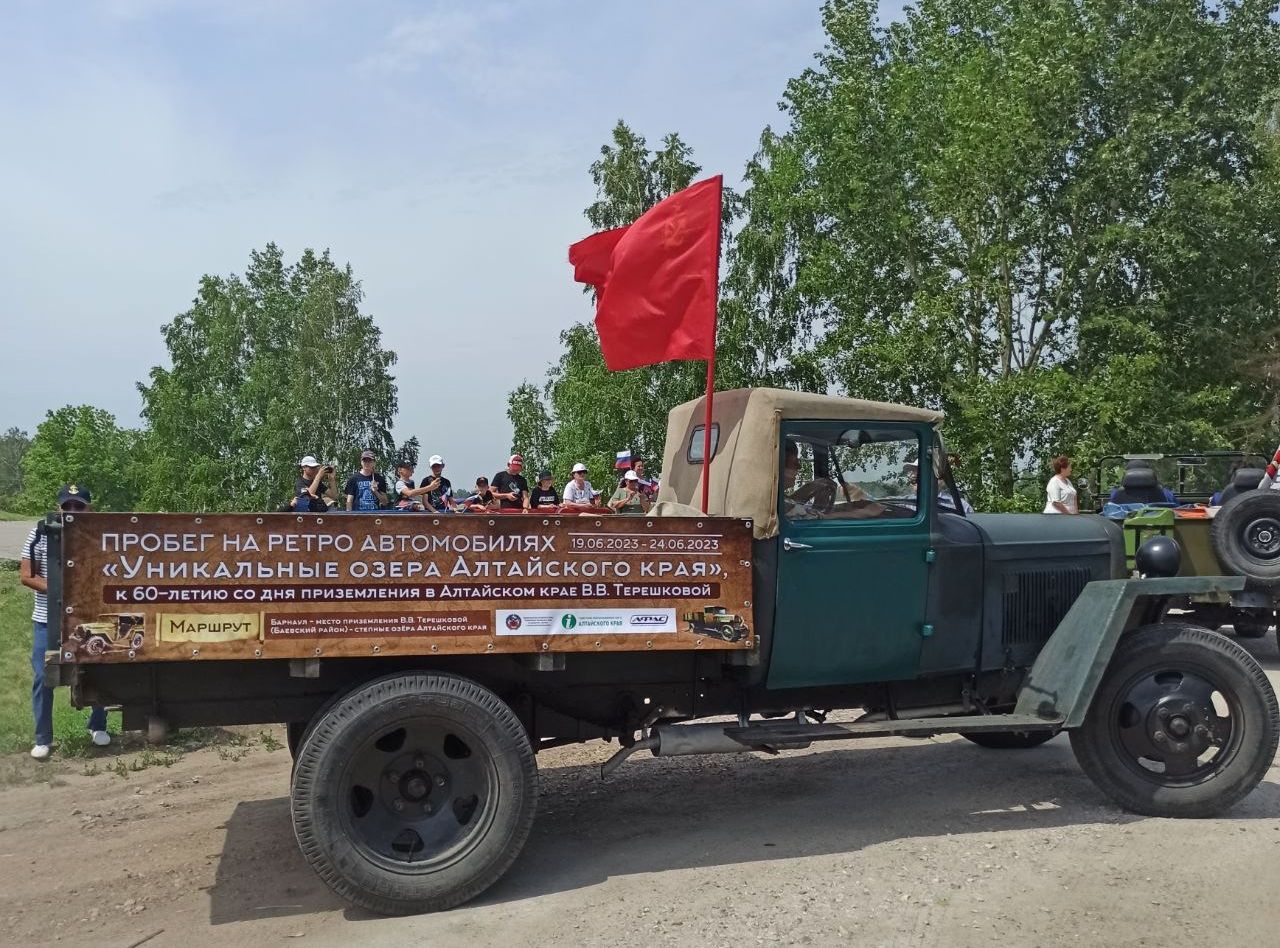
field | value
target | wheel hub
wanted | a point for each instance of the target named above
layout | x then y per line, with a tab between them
1262	538
415	779
1178	726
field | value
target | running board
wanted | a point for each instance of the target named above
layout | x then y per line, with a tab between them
781	735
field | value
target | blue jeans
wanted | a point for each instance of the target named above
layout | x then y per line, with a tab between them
42	697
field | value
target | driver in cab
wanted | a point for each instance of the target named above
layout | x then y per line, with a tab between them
816	499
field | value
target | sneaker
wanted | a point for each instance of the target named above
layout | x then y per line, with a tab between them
40	751
100	738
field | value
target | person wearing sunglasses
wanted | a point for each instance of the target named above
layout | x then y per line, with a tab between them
33	573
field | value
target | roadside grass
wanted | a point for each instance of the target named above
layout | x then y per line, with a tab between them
5	515
70	726
128	752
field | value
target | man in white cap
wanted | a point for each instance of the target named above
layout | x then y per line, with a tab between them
579	492
439	496
309	488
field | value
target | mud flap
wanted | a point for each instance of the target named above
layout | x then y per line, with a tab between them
1066	673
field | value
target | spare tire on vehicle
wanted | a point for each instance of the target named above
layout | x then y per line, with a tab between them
1246	538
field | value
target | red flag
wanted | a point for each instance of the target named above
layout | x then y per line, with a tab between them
657	280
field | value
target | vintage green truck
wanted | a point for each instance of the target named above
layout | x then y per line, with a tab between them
421	662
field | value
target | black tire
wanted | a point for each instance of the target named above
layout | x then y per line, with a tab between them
414	793
1246	538
1252	625
294	732
1009	740
1184	723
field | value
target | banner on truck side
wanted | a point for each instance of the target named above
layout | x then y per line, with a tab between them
586	621
155	587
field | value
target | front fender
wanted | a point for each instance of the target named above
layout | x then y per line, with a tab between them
1068	669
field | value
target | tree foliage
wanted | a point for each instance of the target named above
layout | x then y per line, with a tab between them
13	445
83	445
264	369
1053	219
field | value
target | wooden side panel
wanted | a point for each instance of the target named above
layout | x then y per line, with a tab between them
168	587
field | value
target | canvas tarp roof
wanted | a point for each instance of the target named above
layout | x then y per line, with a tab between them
744	468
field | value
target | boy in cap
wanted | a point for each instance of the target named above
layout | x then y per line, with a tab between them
408	497
579	492
33	574
309	488
510	487
366	489
439	490
482	499
544	493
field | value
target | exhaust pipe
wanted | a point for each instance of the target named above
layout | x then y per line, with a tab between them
683	740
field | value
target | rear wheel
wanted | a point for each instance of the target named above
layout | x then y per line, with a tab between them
1009	740
1184	723
414	793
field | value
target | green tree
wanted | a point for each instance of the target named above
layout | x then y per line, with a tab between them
407	453
264	369
1049	218
13	445
582	411
80	444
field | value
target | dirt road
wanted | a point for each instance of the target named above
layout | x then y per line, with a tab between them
13	535
893	842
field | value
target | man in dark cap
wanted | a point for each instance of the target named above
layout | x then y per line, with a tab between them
33	572
366	489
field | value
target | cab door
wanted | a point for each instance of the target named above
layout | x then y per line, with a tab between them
853	563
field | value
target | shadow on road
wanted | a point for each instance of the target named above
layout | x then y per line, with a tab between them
660	814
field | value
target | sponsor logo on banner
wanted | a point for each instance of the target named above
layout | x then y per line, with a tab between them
585	621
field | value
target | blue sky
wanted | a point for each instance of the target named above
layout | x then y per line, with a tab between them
439	148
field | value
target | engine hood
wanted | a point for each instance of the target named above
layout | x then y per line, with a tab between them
1017	536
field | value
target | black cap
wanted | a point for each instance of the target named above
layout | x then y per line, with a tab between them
544	475
71	492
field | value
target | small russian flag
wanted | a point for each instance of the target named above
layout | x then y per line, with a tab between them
624	460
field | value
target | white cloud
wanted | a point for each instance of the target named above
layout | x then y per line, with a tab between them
473	48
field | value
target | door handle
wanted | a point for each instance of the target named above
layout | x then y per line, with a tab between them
790	544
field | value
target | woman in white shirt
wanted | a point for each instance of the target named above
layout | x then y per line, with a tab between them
1061	492
579	492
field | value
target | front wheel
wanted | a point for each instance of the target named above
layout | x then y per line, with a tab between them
414	793
1184	723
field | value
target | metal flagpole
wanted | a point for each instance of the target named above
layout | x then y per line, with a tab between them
711	365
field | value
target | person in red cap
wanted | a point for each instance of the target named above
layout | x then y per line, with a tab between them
510	487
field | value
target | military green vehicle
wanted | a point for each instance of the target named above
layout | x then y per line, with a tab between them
1233	536
415	784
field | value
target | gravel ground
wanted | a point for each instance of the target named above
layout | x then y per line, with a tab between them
887	842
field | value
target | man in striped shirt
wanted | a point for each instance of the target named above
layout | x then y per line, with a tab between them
34	573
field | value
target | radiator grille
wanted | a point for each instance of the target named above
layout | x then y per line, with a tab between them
1036	600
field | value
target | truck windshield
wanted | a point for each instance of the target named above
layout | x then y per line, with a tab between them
851	473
